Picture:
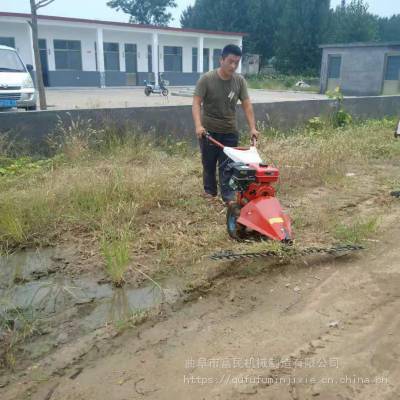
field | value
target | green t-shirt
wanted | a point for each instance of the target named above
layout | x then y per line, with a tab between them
219	101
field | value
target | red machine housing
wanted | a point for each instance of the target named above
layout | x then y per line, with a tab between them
257	208
260	209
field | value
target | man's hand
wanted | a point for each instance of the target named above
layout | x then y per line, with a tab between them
196	111
200	131
254	134
249	113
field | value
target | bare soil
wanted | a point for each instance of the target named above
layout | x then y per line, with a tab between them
321	327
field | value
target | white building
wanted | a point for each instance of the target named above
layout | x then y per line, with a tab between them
82	52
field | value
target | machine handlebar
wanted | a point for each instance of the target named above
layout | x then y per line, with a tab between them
208	136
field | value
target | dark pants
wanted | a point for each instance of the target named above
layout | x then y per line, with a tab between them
211	155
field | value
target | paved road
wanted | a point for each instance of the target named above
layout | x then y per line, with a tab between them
134	97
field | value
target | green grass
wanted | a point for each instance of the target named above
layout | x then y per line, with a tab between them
324	155
116	255
356	232
132	196
282	82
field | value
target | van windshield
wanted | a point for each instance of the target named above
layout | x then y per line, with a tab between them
10	62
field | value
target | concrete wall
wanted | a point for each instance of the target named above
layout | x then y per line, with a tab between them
74	78
177	121
186	78
362	70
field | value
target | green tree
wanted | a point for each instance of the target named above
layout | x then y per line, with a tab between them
292	30
217	15
264	17
255	17
149	12
303	25
353	23
389	28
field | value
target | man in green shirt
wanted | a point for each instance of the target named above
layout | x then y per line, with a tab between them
218	92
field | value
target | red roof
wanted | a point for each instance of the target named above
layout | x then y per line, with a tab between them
125	24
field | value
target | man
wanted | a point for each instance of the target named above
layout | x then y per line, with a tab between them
219	91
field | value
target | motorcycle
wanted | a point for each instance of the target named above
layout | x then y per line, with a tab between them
151	87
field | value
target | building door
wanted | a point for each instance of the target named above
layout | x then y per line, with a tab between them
44	61
391	83
334	71
206	60
131	63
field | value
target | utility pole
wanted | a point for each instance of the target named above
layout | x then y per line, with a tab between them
35	5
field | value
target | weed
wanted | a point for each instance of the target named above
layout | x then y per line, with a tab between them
357	231
116	255
74	138
16	325
340	117
135	318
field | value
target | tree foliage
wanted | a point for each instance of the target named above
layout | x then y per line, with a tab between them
302	27
291	30
353	23
389	28
149	12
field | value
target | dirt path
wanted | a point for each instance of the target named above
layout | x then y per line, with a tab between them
320	328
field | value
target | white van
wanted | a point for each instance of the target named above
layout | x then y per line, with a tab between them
16	85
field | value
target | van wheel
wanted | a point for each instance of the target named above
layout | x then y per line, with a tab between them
31	108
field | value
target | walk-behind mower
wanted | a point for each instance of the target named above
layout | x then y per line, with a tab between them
257	210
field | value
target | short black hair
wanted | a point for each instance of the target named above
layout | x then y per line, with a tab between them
231	49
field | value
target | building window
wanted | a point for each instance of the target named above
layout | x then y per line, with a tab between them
111	56
150	58
194	59
334	66
68	54
392	68
7	41
172	59
206	60
216	56
131	57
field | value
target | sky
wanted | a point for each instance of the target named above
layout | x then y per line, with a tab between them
98	9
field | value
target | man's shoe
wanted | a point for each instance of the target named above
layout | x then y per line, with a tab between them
396	194
209	196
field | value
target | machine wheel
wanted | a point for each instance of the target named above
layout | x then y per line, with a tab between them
165	92
236	231
147	91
